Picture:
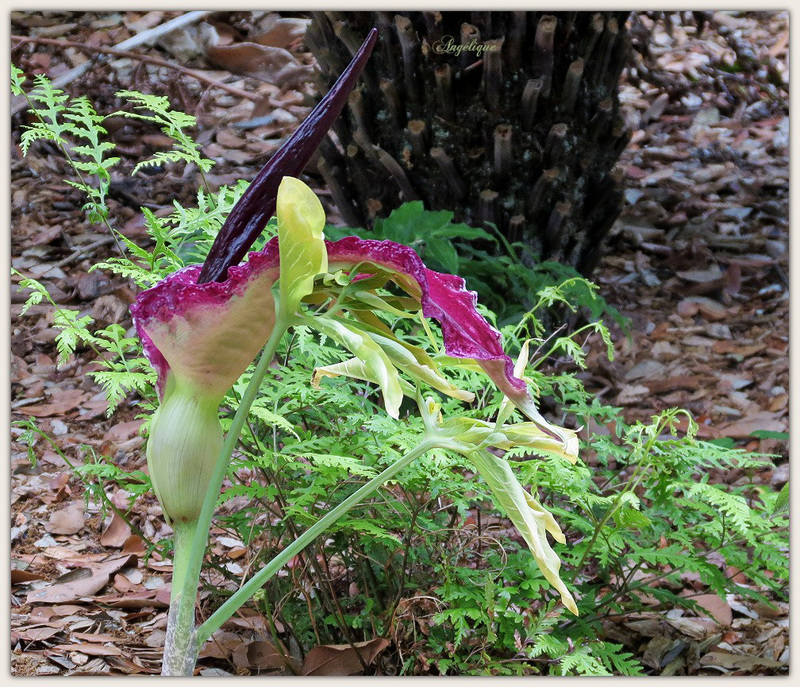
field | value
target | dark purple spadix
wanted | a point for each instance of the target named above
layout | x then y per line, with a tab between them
251	214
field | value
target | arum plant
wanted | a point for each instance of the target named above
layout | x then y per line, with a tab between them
202	327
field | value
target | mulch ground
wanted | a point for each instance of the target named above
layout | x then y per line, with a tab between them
698	263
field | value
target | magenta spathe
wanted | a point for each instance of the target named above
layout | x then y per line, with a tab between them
181	309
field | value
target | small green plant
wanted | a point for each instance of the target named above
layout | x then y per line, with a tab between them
126	369
75	127
428	562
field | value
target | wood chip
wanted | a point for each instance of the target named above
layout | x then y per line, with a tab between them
686	382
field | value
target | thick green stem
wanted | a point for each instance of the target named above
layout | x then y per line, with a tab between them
181	646
257	581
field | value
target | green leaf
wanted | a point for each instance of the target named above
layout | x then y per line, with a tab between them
463	232
782	500
402	224
367	527
528	516
734	506
172	124
581	662
118	383
17	79
303	255
444	253
346	463
270	418
723	442
769	434
372	363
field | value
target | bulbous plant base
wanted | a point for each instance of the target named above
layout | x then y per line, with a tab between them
185	441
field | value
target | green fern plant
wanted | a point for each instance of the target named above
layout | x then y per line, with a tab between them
125	368
75	127
173	123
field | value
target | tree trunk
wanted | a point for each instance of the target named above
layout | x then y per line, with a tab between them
504	117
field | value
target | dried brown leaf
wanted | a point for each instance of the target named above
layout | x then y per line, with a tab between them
38	634
647	369
761	420
134	545
23	576
739	661
717	607
696	628
68	591
96	638
264	655
220	645
42	614
273	65
130	666
632	394
144	599
655	650
283	32
116	533
83	587
69	520
737	348
90	649
707	307
687	382
342	659
61	402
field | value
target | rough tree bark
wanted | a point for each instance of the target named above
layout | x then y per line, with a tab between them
521	127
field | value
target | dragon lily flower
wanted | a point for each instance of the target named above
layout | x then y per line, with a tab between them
203	325
201	337
195	326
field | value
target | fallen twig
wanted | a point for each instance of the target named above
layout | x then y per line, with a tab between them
83	250
22	104
19	103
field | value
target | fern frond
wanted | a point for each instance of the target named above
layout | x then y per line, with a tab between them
735	508
272	419
74	330
17	79
344	463
616	660
117	384
367	527
130	270
582	662
173	123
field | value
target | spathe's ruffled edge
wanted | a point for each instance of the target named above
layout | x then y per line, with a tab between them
444	297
